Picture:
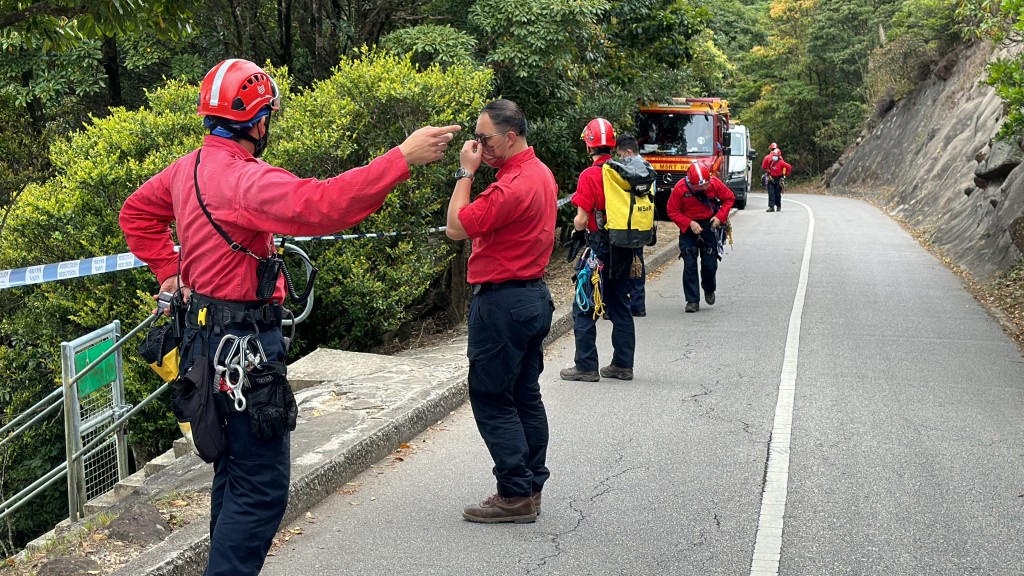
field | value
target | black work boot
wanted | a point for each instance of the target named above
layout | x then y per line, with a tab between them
497	508
692	306
579	375
709	297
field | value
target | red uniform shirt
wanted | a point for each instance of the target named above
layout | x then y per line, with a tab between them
251	200
777	168
590	191
683	207
512	222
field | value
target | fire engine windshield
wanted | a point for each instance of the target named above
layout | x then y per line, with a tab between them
675	134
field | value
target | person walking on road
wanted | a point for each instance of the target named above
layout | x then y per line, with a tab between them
220	191
775	171
626	147
512	225
699	204
615	281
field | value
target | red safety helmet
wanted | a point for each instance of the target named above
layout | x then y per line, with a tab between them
777	152
237	90
698	176
599	132
773	146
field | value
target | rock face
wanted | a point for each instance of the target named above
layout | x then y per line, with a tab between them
139	524
70	567
933	161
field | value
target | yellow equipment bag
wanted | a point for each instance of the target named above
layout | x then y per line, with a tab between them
629	202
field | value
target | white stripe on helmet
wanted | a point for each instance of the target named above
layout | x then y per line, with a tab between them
604	130
218	80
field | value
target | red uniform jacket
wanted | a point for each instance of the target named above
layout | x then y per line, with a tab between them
683	207
512	222
589	193
251	200
777	168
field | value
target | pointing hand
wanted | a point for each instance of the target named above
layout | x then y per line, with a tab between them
427	144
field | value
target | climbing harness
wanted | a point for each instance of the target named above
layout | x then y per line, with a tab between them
589	284
244	355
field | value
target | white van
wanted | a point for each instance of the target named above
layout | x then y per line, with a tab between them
740	157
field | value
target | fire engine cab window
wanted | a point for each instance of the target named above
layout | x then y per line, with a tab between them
689	134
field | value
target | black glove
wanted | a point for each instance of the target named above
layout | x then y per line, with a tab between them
575	244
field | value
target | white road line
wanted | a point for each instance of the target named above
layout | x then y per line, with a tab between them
768	542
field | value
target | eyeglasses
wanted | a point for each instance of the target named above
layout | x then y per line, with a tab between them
483	138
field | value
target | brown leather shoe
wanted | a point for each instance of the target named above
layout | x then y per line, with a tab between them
497	508
612	371
579	375
536	501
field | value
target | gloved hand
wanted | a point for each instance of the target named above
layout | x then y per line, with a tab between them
575	244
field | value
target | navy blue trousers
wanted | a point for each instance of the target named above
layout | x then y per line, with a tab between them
774	194
507	326
637	289
617	286
704	247
250	482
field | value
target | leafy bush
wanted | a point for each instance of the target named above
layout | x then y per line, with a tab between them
916	37
431	44
1002	22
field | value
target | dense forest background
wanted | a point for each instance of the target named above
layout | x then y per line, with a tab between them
98	95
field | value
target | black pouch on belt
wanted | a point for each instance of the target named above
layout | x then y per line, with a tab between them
269	400
160	350
194	408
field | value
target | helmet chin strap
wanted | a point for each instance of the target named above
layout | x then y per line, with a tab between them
259	143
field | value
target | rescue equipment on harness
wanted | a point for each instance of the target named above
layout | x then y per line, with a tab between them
255	385
724	231
268	269
628	216
161	347
589	285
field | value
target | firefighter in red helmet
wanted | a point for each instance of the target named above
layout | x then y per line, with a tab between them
699	205
599	138
775	171
227	205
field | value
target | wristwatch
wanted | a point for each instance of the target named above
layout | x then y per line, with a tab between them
463	173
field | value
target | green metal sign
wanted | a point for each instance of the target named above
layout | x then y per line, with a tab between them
100	376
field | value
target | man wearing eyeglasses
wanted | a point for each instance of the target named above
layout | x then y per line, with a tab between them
512	225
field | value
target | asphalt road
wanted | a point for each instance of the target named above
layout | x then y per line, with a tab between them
894	447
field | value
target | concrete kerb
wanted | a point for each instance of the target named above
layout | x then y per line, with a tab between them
184	552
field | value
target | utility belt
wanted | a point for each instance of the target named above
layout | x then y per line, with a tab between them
486	286
206	311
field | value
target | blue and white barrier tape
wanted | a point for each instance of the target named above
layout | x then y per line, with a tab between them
69	269
126	261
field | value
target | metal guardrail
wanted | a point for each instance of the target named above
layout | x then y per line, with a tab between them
115	416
